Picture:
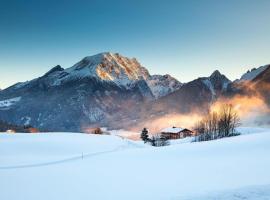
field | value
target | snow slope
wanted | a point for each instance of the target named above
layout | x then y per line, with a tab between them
250	75
5	104
22	150
115	168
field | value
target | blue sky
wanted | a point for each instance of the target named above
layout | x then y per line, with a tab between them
186	39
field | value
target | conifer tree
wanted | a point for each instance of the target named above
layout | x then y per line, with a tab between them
144	135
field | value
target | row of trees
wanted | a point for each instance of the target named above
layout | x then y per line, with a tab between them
214	125
155	140
218	124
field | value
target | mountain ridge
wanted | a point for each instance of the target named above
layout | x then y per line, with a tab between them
110	90
111	68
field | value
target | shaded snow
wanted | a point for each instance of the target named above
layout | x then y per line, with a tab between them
225	85
261	192
210	86
26	120
9	102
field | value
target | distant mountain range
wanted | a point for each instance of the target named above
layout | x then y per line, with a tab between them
117	92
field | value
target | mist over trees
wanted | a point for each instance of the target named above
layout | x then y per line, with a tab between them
218	124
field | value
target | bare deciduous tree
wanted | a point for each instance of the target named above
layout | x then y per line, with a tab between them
218	124
159	141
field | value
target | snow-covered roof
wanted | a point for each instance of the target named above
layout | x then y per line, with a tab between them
171	130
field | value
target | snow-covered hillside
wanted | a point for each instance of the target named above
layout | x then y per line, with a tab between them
79	166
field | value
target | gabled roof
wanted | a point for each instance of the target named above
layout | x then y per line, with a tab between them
171	130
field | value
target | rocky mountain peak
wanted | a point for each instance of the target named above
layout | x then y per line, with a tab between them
111	67
57	68
217	78
216	83
252	74
110	90
122	71
163	85
216	73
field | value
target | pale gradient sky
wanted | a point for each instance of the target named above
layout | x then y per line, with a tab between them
186	39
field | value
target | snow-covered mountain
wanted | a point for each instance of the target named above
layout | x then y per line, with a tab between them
97	90
216	83
114	91
112	69
195	95
107	67
163	85
253	73
254	82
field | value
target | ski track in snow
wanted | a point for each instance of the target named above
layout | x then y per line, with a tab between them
70	159
74	158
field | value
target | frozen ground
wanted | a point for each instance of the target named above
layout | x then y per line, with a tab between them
78	166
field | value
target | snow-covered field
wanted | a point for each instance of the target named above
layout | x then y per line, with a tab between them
70	166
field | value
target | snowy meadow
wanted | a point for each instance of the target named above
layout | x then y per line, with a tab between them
84	166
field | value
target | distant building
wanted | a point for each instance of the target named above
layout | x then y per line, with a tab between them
10	131
33	130
176	133
96	130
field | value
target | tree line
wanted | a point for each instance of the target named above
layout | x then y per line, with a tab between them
218	124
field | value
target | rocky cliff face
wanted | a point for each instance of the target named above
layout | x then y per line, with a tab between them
195	95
